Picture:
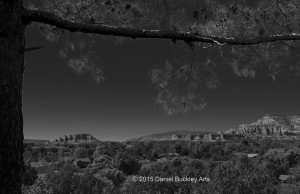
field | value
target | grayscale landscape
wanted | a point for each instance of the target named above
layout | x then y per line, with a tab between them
149	97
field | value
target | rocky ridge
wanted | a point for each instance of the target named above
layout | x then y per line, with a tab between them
165	136
270	125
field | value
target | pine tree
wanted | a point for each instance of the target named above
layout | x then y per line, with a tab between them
66	138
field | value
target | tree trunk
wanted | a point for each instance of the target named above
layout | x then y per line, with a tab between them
12	42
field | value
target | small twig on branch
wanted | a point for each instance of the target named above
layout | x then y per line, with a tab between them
33	48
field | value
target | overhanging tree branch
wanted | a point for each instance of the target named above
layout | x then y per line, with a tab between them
51	19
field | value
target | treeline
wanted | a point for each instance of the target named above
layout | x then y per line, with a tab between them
76	137
217	151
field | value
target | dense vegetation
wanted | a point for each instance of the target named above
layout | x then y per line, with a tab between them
220	167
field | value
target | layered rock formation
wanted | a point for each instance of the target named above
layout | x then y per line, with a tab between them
186	135
270	125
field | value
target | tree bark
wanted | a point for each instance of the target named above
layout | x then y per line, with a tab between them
12	45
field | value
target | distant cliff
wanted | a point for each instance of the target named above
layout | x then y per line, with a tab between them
172	135
270	125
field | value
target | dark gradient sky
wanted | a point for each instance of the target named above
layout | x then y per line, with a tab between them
56	101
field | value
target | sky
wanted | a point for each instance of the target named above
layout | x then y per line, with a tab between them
57	101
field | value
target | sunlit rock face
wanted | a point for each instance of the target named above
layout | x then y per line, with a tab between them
270	125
